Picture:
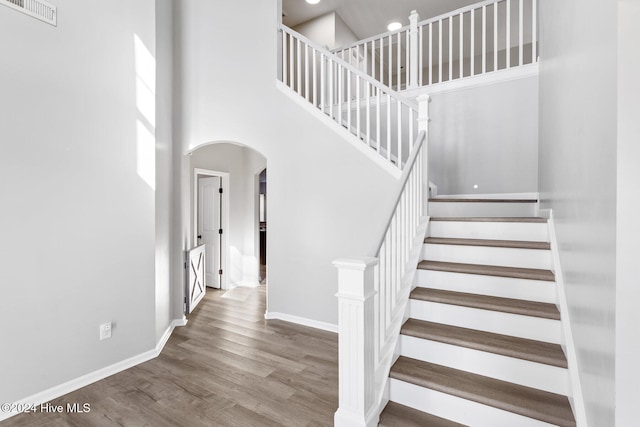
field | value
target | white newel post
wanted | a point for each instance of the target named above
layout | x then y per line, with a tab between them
414	55
356	367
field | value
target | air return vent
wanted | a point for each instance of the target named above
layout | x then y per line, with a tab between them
37	8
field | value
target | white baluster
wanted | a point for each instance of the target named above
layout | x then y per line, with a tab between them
390	83
356	343
461	64
358	115
414	51
284	57
473	42
389	127
368	98
298	66
399	62
440	51
306	71
430	53
495	36
421	57
348	99
378	120
399	126
315	79
323	87
520	31
450	46
534	32
291	64
484	39
508	36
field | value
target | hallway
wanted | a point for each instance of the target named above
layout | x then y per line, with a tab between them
227	367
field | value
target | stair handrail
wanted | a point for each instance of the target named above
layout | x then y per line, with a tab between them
373	293
413	157
377	115
326	52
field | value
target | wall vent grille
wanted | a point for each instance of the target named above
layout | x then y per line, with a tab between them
36	8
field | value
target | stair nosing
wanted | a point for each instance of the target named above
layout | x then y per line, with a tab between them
524	219
511	244
486	390
485	302
394	409
488	270
480	200
485	341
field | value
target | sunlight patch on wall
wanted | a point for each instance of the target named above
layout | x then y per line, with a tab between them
146	154
145	67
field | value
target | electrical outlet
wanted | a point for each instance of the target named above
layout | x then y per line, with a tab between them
105	331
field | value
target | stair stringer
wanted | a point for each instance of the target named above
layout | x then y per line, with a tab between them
574	387
389	352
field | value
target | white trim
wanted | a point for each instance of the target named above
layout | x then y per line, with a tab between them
507	196
339	130
493	77
575	387
95	376
329	327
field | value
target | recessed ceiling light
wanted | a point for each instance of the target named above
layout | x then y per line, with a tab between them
394	26
313	1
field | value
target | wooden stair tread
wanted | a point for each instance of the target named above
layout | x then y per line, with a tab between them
489	219
488	270
485	302
455	200
397	415
520	348
514	244
529	402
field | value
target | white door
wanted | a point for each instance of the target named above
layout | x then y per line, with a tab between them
209	226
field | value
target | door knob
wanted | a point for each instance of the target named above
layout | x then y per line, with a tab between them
199	236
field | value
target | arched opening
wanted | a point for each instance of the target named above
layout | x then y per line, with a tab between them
225	194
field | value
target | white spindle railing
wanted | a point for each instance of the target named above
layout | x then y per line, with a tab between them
481	38
375	114
373	293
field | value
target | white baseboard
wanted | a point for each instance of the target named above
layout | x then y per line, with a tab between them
92	377
575	388
271	315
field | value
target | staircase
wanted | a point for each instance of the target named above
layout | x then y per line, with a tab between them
481	345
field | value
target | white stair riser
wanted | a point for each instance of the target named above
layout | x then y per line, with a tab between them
526	231
505	287
531	374
471	209
534	328
505	257
455	408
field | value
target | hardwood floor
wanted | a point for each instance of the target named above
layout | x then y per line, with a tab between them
227	367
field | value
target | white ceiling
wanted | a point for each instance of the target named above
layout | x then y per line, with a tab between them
368	17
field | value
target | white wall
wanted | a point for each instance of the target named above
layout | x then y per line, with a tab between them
164	167
485	136
320	30
577	179
328	30
78	217
325	197
628	205
242	164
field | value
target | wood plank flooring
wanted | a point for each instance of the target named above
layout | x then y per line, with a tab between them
227	367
